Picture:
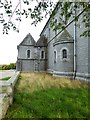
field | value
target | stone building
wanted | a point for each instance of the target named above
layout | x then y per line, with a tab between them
61	53
31	54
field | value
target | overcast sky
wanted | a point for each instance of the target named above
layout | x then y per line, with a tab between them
8	43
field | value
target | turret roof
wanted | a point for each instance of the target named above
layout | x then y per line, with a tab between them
64	36
28	40
42	41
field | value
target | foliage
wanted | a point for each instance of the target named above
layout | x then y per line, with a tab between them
8	67
41	10
61	98
6	78
0	67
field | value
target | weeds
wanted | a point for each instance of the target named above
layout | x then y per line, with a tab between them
44	96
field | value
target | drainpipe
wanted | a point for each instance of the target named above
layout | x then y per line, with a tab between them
38	58
75	48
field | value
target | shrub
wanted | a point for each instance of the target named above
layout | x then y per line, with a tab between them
8	67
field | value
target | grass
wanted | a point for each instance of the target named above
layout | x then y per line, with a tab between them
6	78
40	95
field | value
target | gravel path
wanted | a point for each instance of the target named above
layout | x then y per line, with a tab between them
7	73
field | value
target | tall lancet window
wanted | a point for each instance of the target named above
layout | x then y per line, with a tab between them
42	55
55	56
28	53
55	26
64	53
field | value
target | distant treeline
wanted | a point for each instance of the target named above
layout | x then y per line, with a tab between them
8	67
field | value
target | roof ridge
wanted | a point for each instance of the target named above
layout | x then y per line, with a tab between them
26	37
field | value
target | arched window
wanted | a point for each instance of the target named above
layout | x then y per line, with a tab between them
55	26
55	56
28	53
64	53
42	54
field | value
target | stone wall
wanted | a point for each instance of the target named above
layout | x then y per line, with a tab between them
6	94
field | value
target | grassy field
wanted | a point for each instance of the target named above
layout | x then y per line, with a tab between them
40	95
6	78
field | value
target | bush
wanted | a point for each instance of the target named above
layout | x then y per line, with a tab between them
8	67
0	67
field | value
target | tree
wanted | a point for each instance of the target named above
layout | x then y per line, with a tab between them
8	67
40	11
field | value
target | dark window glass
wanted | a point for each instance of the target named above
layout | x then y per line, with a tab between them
28	53
64	53
55	26
54	56
42	54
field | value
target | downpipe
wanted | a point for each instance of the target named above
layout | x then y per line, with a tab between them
75	48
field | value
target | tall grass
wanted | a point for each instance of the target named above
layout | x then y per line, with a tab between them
37	81
40	95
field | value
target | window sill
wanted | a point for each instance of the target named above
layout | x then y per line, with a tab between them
64	59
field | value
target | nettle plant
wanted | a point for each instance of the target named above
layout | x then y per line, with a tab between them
37	10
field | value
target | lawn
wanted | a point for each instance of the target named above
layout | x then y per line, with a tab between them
6	78
40	95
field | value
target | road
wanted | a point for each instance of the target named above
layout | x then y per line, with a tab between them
7	73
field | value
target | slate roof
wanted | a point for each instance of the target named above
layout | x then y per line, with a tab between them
28	40
64	36
42	41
